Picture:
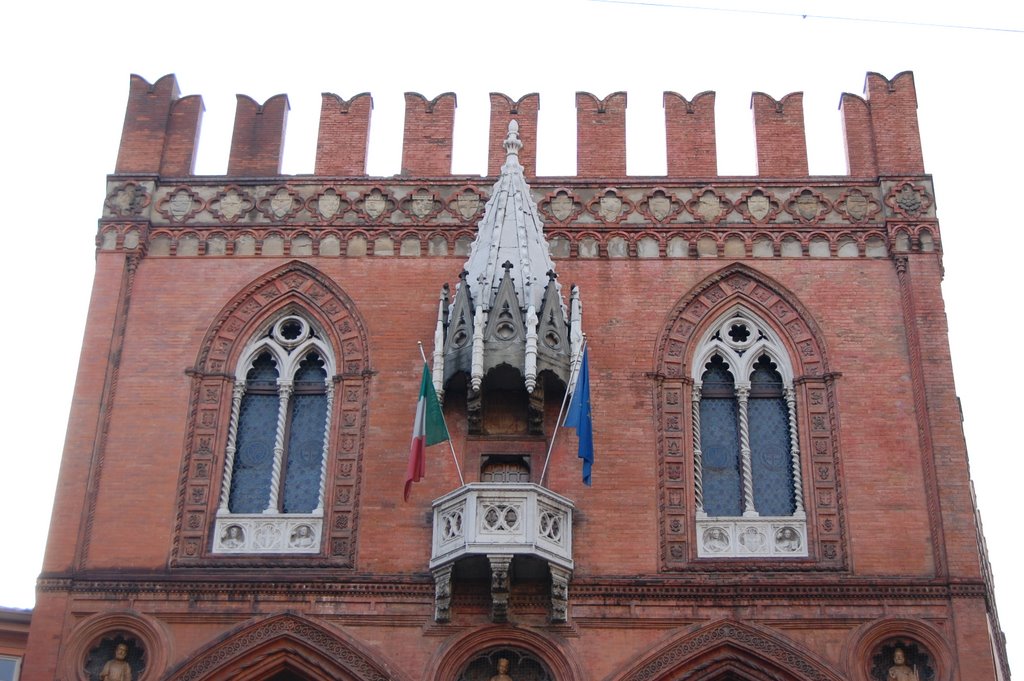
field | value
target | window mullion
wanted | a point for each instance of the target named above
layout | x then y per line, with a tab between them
742	393
329	387
794	451
229	458
698	456
284	394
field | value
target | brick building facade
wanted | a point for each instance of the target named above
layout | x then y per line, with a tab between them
780	488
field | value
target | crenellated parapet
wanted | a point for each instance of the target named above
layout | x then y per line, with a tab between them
779	130
882	137
884	205
160	131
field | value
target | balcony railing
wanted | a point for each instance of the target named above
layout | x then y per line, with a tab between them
488	517
501	521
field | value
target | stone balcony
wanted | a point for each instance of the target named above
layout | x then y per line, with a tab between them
501	521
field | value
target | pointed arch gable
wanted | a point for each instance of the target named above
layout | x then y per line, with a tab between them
286	641
745	650
816	419
295	283
293	287
766	297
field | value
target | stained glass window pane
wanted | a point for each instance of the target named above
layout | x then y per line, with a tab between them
262	374
719	441
770	457
305	453
720	462
310	373
765	381
254	454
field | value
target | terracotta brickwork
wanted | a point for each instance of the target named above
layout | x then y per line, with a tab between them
845	271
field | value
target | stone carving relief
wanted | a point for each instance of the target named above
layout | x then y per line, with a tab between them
561	206
909	200
660	205
707	205
856	205
231	204
127	199
280	203
758	205
752	537
609	206
180	205
808	206
466	204
328	205
375	204
421	205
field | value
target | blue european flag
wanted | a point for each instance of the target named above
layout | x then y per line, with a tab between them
578	417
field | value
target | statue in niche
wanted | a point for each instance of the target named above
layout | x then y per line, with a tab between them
117	669
899	671
502	674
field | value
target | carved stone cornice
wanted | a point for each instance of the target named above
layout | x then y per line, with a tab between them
803	588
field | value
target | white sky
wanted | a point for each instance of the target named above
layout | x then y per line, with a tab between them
65	72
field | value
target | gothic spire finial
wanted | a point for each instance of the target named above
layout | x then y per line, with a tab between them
512	142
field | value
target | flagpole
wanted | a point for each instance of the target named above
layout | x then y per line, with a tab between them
462	480
565	398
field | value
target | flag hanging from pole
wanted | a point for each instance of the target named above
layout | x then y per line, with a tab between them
578	417
427	429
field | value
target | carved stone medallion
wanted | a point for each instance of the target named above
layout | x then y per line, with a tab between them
708	206
180	205
808	206
609	207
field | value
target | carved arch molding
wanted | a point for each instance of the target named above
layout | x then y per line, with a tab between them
729	650
298	286
285	643
817	418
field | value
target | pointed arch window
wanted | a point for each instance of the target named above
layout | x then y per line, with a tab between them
747	479
272	492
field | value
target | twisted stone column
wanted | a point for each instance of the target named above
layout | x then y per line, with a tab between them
229	453
747	475
285	393
326	449
698	486
794	451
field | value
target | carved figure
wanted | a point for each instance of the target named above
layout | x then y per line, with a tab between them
117	669
502	674
233	537
787	539
899	671
302	537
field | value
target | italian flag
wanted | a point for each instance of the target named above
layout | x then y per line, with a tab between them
428	429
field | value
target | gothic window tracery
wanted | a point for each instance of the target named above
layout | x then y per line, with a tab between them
747	483
272	494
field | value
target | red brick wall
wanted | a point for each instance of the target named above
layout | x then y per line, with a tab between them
908	525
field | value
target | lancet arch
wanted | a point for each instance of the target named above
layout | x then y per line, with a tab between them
451	660
286	643
728	651
778	342
332	335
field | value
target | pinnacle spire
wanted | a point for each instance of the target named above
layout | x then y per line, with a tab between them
508	308
510	231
